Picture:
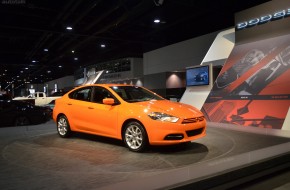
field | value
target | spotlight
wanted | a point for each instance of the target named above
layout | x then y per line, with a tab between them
157	21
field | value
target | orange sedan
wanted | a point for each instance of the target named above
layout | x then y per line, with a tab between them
133	114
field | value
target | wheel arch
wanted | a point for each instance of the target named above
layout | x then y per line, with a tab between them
132	120
60	114
72	128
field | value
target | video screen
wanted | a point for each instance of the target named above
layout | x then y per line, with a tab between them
197	76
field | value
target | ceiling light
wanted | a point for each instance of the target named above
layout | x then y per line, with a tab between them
69	28
157	21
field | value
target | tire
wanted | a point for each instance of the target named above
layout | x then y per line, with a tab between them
63	127
135	137
21	121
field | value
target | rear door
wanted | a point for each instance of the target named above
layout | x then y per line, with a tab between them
77	108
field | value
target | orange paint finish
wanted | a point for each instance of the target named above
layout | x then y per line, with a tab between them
109	118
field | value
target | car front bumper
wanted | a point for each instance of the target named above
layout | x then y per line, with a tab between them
164	133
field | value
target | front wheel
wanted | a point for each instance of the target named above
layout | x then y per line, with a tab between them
135	137
63	127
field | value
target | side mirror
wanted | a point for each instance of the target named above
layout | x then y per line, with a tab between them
108	101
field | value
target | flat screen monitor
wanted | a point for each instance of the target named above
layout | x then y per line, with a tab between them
197	76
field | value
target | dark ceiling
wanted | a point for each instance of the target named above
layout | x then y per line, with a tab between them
125	27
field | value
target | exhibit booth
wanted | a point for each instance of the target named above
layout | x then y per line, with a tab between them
241	85
252	88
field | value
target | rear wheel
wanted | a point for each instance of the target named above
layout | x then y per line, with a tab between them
135	137
21	121
63	127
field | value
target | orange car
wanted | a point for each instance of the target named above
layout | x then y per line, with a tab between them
133	114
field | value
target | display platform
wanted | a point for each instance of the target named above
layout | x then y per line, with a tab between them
35	157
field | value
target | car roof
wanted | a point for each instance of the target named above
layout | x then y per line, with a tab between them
107	85
101	85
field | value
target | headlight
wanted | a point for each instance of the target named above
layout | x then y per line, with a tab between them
163	117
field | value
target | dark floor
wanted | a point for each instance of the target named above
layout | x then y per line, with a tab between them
35	157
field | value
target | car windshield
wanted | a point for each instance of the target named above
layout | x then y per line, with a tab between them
135	94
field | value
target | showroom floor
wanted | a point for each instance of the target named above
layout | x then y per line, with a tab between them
35	157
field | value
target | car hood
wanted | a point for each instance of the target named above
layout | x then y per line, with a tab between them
173	108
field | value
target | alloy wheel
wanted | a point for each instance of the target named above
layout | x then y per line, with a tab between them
135	137
63	127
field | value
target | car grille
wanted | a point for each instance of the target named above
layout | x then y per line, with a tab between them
193	120
194	132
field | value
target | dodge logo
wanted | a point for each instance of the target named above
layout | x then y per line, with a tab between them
263	19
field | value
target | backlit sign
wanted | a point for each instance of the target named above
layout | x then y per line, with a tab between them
263	19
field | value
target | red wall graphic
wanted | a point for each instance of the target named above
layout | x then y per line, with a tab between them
253	88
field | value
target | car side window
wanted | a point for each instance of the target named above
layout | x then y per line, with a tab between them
83	94
122	93
100	94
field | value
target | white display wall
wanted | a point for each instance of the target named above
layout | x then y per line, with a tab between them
219	50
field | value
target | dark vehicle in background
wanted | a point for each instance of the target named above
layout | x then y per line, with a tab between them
20	113
51	104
